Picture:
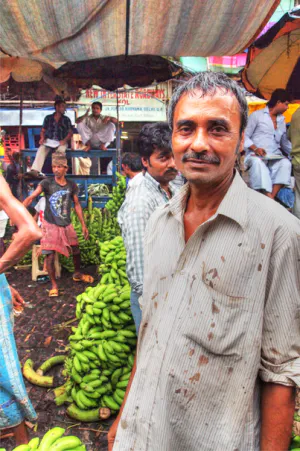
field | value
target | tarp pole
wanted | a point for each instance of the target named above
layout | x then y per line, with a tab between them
118	137
21	115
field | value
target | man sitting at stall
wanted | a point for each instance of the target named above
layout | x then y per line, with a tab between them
265	139
56	132
97	131
58	232
141	201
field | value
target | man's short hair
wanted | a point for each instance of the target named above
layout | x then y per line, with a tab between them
58	102
154	136
208	83
97	103
133	161
279	95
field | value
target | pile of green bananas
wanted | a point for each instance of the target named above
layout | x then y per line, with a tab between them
295	444
113	256
118	195
53	440
102	226
27	259
101	355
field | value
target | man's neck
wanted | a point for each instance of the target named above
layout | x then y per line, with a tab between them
273	113
206	199
61	180
57	115
132	174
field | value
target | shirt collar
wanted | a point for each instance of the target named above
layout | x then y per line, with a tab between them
233	206
266	110
156	184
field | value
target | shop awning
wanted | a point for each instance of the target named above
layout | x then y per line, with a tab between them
59	31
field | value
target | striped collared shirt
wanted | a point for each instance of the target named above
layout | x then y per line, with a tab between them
140	202
220	313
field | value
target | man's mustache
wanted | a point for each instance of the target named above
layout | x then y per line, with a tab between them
200	156
171	171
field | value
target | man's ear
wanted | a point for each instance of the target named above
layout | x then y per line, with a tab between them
145	162
241	143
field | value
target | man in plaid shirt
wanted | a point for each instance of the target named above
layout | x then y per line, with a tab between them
154	190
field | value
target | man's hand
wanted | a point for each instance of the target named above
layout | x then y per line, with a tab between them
85	232
260	152
63	142
42	140
87	111
106	119
16	297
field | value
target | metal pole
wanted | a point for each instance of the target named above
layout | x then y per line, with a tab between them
118	137
21	114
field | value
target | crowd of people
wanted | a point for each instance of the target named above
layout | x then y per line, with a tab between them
213	266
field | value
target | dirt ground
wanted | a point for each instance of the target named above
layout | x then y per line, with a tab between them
39	335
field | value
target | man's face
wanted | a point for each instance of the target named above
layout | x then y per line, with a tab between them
59	171
206	137
96	110
281	107
125	170
161	166
61	108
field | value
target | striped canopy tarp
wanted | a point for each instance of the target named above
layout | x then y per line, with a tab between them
58	31
274	59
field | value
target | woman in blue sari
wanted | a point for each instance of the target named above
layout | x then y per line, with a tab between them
15	406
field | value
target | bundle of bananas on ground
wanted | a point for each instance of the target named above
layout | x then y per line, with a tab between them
113	256
53	440
118	195
102	226
110	227
27	259
101	356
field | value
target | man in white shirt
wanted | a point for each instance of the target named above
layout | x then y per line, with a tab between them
219	343
97	131
265	138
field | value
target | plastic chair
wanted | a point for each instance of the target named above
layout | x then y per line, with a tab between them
35	269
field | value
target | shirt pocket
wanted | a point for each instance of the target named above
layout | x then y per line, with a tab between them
232	267
217	322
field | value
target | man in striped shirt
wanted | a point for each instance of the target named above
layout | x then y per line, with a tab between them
219	343
142	199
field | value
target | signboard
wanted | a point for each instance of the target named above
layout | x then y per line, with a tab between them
138	105
31	117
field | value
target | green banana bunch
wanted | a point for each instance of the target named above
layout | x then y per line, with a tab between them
53	440
27	259
118	195
102	226
101	352
113	256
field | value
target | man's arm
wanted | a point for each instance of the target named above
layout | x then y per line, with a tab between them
134	221
32	196
81	118
42	136
67	138
277	413
249	144
43	131
78	211
27	233
280	359
112	119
